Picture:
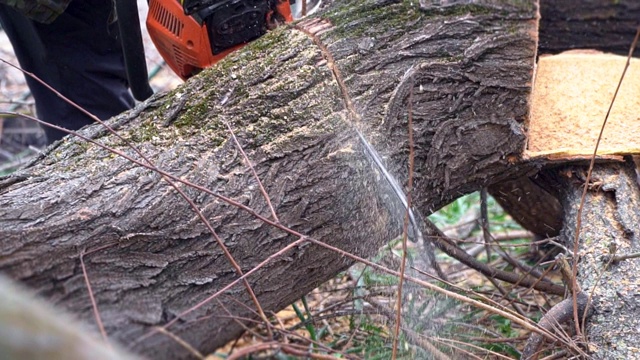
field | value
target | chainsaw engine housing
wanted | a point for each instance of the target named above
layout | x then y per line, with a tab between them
198	33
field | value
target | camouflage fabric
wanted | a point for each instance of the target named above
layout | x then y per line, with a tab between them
43	11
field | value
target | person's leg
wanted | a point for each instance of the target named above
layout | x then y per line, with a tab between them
79	55
29	52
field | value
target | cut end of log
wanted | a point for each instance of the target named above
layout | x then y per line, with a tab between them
571	95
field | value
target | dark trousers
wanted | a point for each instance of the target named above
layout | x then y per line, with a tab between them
80	55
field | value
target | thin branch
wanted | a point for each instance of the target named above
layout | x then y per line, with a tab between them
182	343
446	245
405	230
253	171
612	250
559	314
94	304
450	342
488	239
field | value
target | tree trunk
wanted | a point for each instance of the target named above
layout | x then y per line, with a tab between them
610	227
567	25
467	66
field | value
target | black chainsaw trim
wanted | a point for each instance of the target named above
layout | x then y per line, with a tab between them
234	22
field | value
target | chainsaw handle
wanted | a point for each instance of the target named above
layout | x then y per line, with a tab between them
132	49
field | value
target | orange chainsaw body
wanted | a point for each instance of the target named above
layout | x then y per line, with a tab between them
184	41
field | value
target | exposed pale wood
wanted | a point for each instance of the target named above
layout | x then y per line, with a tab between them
571	95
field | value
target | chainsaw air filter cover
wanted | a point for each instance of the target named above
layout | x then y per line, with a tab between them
235	22
196	34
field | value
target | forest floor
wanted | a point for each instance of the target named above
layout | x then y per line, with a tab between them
353	314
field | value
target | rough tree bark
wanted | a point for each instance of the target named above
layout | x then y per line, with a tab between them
610	228
149	258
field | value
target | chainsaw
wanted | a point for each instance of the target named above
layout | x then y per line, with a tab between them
198	33
192	35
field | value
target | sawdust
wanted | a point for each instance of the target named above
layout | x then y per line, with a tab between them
571	95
